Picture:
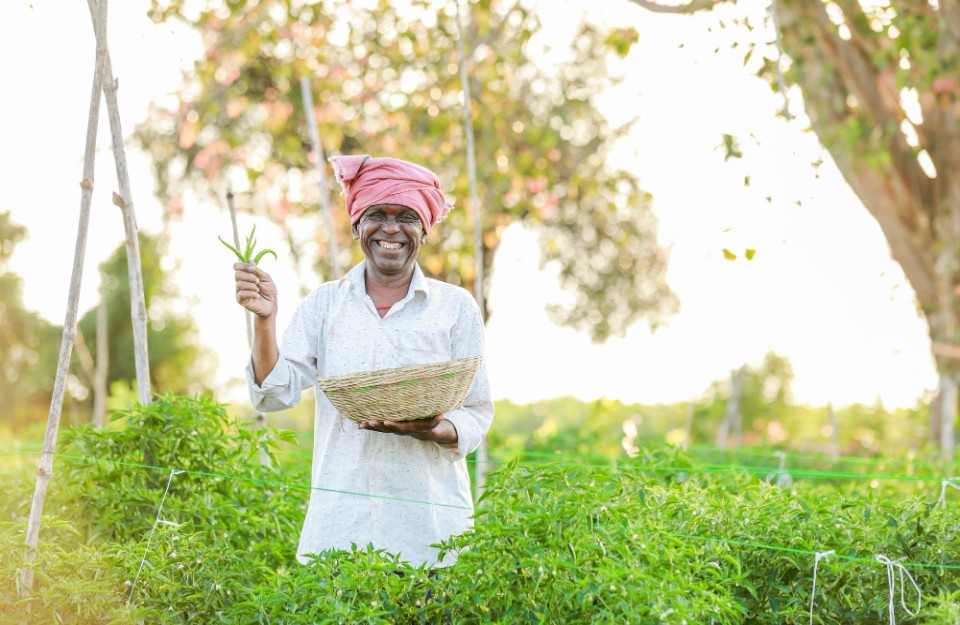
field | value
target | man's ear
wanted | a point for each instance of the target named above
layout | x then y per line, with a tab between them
423	238
356	231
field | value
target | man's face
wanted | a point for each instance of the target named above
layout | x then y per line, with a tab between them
390	236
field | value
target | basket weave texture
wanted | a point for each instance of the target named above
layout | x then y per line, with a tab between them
402	393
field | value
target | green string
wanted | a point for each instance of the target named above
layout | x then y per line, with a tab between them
708	470
714	539
808	552
259	481
695	449
734	452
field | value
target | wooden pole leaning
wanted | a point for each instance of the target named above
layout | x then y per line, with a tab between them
124	200
317	148
45	470
480	469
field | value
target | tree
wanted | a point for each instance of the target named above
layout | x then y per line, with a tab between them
177	363
879	83
26	341
387	81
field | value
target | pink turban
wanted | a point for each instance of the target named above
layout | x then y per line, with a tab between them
368	181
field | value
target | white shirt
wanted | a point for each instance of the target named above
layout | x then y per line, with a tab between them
360	477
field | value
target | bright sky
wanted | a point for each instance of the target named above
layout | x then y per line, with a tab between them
822	289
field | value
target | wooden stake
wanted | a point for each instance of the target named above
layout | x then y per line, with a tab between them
261	419
306	92
45	470
480	470
138	309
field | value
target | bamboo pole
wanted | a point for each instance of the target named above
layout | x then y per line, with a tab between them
261	419
138	309
480	472
45	470
306	92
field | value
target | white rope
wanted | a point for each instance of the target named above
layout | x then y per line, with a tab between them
782	478
950	481
891	579
820	555
156	522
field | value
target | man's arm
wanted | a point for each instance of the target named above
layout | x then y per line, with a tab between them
257	292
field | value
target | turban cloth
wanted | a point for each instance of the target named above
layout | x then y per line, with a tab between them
368	181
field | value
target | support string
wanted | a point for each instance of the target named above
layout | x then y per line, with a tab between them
782	478
820	555
951	482
891	579
152	530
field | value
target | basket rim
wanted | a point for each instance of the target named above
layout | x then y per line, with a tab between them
393	375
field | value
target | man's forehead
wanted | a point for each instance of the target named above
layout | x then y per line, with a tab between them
391	208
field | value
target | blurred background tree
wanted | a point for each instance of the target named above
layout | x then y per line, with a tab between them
178	364
879	83
28	343
387	83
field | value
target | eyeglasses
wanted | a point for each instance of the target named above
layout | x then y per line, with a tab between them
403	219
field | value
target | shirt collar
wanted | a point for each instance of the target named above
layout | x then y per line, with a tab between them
357	278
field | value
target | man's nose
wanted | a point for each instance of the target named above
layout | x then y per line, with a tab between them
391	223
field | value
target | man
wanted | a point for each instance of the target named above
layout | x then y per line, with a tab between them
400	486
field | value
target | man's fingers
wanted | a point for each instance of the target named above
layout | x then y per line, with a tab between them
247	295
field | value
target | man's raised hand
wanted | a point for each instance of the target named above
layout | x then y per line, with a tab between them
256	290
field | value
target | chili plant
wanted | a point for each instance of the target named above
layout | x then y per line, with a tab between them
247	254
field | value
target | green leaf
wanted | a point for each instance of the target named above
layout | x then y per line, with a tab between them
233	249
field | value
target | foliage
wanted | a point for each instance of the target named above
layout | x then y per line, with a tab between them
74	583
247	255
387	83
880	90
178	364
27	341
649	540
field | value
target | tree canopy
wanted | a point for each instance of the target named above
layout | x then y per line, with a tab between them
177	363
387	83
879	84
27	341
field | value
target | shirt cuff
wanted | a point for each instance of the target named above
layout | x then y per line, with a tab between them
280	376
468	434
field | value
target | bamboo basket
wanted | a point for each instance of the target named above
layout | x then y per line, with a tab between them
402	393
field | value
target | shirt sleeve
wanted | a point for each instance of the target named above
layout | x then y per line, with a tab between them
474	417
296	368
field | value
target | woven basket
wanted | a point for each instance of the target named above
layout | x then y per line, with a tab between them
402	393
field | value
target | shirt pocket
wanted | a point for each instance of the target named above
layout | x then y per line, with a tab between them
420	344
349	346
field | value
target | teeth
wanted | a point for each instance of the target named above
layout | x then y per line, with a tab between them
389	245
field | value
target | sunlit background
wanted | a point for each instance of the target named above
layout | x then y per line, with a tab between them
820	290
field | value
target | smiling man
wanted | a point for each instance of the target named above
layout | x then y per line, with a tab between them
400	486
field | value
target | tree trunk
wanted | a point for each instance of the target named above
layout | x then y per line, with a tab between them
732	419
45	470
834	432
103	358
947	401
688	425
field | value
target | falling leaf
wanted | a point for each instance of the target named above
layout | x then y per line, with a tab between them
729	255
750	253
